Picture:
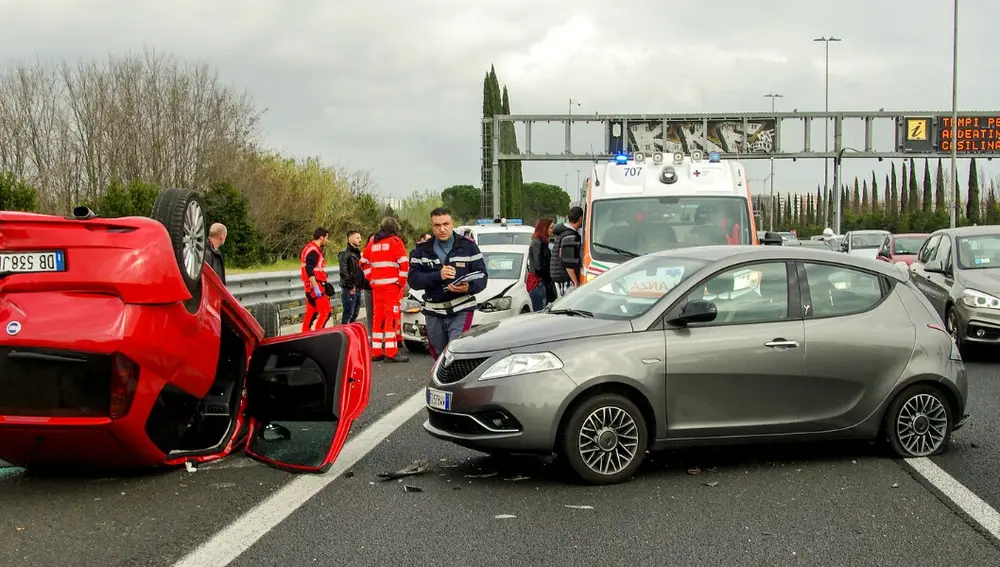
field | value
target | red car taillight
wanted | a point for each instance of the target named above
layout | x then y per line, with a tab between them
124	379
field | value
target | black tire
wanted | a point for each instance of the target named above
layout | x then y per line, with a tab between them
269	317
572	454
951	325
182	212
918	396
416	347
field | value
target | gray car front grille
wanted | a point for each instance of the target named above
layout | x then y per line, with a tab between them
458	369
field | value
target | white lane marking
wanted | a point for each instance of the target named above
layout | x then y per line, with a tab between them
977	509
227	544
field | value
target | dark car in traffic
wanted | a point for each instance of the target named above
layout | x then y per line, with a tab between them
958	269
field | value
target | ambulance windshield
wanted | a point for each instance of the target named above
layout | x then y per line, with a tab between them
644	225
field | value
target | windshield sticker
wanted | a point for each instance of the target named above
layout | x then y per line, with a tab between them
500	264
980	261
650	283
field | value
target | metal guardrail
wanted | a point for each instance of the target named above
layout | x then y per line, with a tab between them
283	289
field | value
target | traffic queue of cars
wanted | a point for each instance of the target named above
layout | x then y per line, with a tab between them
708	339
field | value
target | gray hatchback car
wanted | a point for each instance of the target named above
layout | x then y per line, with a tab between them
720	344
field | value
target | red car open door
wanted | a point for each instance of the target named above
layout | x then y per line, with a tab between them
304	392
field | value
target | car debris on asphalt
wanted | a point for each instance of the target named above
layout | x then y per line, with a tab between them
417	467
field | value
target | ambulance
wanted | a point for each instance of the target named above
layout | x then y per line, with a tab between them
639	204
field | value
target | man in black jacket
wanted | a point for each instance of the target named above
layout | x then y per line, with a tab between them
565	264
216	238
352	280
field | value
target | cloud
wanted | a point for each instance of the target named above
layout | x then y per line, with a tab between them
395	87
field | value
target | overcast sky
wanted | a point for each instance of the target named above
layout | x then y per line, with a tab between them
396	87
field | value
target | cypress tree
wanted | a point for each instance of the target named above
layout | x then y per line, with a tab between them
974	205
875	203
927	203
959	210
893	193
496	104
914	193
486	176
903	192
865	205
856	199
512	208
939	191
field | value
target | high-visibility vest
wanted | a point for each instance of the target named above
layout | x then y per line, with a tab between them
386	262
318	272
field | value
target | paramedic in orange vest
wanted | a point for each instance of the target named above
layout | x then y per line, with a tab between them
314	279
386	264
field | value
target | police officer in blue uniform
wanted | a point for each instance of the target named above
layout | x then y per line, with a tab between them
435	267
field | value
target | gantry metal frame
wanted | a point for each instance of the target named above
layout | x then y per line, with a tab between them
904	146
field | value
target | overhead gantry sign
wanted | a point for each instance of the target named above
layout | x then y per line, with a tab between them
742	136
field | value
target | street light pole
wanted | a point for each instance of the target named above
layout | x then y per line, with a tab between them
954	119
571	101
826	140
770	216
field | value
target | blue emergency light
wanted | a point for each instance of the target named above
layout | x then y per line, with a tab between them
500	221
621	158
714	157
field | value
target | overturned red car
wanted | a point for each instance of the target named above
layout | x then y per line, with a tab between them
121	349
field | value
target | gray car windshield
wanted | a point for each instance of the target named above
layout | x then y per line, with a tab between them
868	240
631	289
979	252
503	265
644	225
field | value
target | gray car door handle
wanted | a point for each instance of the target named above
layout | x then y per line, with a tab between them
781	343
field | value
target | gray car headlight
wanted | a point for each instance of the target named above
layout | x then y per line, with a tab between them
498	304
981	300
525	363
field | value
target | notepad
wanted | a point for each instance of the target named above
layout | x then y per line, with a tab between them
469	277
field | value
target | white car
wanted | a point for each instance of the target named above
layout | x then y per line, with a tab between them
506	294
488	233
865	243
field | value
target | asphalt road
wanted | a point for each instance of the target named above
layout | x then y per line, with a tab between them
819	505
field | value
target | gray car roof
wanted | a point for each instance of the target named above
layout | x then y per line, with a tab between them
969	230
749	252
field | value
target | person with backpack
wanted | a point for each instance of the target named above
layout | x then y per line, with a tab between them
565	265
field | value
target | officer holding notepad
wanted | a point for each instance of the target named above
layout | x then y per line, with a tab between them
450	270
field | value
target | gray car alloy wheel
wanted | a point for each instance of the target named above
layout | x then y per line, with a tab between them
922	424
194	239
608	440
951	324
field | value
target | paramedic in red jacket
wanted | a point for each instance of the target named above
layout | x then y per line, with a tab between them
314	279
386	265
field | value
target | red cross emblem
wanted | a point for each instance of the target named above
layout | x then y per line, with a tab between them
697	173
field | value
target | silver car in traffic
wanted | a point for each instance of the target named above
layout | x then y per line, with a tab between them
720	344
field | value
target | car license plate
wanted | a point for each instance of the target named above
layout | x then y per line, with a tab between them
439	399
32	262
